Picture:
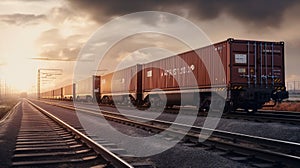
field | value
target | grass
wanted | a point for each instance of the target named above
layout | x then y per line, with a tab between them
6	105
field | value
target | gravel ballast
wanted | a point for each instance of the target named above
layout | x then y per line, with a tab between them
181	155
9	129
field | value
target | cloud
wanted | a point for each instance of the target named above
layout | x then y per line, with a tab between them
70	31
140	48
59	15
53	46
263	13
22	19
25	0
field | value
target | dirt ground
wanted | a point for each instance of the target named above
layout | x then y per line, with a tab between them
6	105
286	106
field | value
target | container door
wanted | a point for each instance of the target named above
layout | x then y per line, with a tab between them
270	64
257	64
244	64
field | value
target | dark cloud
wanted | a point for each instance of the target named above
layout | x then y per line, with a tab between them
269	13
22	19
292	58
126	51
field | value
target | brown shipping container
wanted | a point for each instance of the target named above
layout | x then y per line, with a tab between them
57	93
257	64
47	95
88	88
241	61
121	81
84	87
188	66
68	91
43	95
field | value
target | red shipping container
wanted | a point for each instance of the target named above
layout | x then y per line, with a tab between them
57	93
122	84
252	71
68	91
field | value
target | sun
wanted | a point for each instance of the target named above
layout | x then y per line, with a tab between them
19	75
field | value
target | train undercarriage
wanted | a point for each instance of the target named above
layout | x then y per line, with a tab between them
249	100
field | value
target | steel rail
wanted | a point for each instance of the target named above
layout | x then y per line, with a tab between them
109	156
266	154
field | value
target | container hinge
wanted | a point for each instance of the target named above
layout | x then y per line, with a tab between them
264	76
245	76
273	76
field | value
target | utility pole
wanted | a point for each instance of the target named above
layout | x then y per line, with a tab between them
4	88
0	88
39	84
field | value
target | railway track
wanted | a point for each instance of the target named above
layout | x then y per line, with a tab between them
46	141
287	117
266	116
257	151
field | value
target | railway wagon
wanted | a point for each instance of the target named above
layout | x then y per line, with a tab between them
47	95
186	79
87	89
68	92
122	86
254	75
257	73
58	93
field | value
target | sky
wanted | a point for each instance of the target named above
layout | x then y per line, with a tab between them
49	34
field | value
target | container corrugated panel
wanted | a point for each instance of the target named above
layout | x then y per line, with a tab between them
180	70
87	87
49	94
43	95
258	64
121	81
57	93
84	87
68	90
106	83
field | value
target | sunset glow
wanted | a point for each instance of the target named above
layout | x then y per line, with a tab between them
50	34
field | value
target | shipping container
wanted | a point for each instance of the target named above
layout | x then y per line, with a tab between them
256	63
122	86
257	72
68	92
88	89
251	71
47	95
58	93
181	76
180	70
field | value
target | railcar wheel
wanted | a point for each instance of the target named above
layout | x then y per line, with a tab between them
105	100
169	106
156	102
132	101
228	107
251	111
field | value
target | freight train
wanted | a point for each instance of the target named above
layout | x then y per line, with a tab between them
254	73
